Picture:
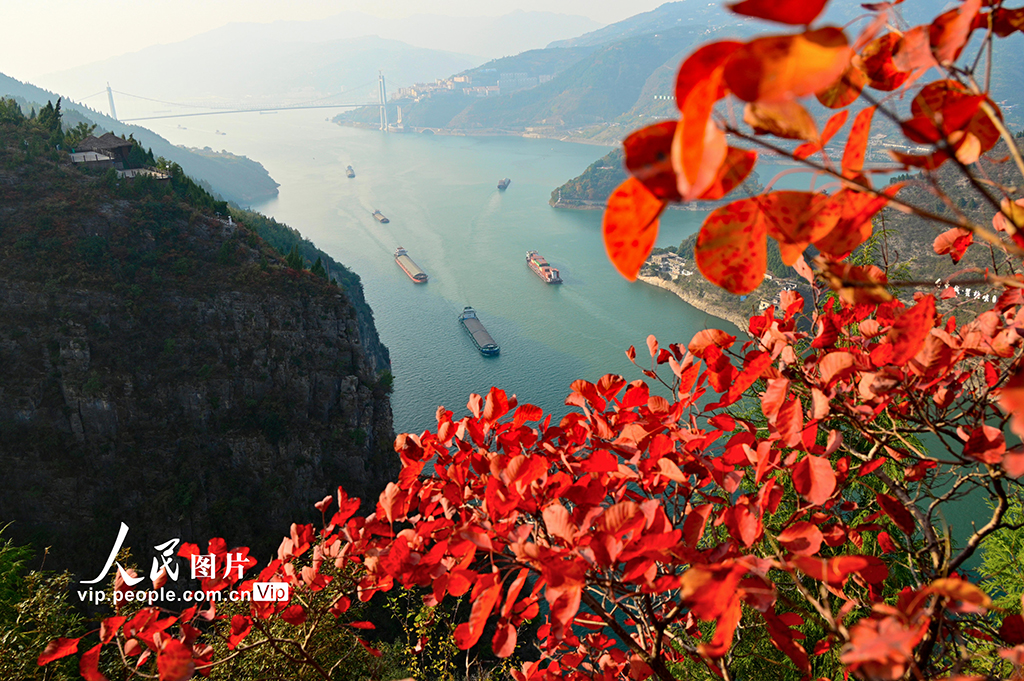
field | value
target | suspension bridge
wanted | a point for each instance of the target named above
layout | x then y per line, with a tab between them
207	110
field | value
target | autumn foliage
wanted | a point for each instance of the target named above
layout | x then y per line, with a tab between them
777	498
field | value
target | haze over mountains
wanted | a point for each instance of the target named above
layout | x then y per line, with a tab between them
304	59
601	85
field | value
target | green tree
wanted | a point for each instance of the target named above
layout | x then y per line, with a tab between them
318	269
1002	560
294	259
74	136
34	609
10	112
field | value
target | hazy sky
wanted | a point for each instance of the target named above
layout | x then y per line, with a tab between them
42	36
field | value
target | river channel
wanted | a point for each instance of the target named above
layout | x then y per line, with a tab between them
440	195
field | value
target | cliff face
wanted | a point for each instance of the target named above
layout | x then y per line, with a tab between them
162	369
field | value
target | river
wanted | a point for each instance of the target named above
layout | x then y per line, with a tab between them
441	197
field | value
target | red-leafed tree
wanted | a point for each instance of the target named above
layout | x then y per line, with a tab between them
777	506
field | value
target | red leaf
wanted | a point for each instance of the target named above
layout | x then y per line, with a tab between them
903	518
854	227
558	522
790	422
879	68
370	649
649	159
731	248
58	648
787	119
294	614
699	147
953	241
468	633
857	143
527	412
949	31
910	330
240	628
814	479
707	338
986	444
794	12
504	642
109	627
630	226
1007	21
835	365
710	590
773	397
782	67
88	664
1013	463
700	65
360	625
744	525
845	90
856	284
174	661
1011	399
734	170
797	218
754	365
1012	630
694	522
831	128
835	571
784	638
725	628
802	538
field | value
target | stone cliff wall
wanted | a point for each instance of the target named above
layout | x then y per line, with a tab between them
161	368
220	415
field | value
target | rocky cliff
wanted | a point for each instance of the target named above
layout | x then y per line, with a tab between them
163	368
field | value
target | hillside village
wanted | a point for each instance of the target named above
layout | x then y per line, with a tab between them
486	83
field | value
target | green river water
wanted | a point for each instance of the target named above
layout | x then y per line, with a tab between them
441	197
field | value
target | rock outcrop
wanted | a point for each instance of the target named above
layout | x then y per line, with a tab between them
162	368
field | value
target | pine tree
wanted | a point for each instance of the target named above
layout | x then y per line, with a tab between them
294	260
318	269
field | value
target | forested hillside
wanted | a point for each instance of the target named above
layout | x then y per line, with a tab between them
234	178
166	366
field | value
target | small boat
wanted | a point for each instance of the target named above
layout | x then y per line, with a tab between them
536	262
350	172
409	267
380	217
503	185
483	341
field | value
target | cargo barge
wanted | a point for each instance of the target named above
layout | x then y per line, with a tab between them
380	217
536	262
478	333
350	172
409	267
503	185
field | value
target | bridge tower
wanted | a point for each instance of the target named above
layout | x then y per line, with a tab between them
383	98
110	98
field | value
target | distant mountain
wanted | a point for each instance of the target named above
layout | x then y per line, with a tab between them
590	88
699	14
235	178
300	61
236	65
485	37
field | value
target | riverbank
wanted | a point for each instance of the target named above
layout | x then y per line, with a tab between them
703	300
481	132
